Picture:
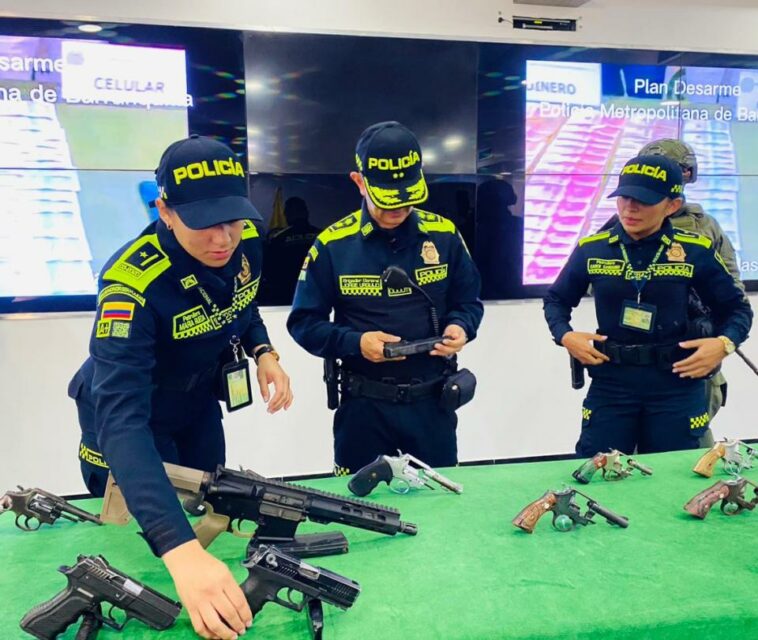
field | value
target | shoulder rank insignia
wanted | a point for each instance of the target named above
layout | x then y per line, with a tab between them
429	253
676	253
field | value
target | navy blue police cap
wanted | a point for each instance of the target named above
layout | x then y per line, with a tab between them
204	182
649	179
388	156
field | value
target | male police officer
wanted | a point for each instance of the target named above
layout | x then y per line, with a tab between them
647	389
692	217
176	308
388	404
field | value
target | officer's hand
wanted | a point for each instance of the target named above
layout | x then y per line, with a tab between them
215	603
454	339
372	345
579	345
709	353
270	372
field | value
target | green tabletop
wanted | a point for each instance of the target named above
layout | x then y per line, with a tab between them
469	573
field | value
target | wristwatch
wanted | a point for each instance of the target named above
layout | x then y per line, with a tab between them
729	346
266	348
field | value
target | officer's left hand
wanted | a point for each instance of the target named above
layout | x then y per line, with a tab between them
709	353
270	372
455	338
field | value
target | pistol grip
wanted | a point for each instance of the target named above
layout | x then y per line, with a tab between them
366	479
53	617
529	516
210	526
704	466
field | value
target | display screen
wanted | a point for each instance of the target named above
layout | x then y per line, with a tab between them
83	124
583	121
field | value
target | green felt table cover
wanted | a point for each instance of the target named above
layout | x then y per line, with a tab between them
469	573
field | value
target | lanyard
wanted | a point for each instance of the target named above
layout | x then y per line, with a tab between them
639	285
215	309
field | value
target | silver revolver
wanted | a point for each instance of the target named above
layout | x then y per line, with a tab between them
402	473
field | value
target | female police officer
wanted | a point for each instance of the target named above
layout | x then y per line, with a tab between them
175	315
647	382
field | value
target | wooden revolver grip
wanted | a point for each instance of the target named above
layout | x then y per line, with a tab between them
704	466
529	516
700	505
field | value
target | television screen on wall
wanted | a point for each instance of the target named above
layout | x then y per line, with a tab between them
583	121
84	121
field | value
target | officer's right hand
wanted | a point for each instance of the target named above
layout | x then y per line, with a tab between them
215	603
372	346
579	345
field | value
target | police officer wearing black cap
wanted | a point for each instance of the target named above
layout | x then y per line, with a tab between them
647	373
176	314
389	404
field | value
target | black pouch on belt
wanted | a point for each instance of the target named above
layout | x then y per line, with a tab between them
458	389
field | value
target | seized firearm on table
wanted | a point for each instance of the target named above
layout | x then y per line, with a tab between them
566	512
402	473
231	497
612	467
732	496
730	451
35	507
93	582
270	570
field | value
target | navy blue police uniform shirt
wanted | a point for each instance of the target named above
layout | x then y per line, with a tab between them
163	330
343	272
687	260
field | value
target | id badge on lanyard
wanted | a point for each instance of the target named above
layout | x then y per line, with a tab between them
235	377
635	314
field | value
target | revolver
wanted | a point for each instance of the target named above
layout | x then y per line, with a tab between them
612	466
566	512
732	496
402	473
37	507
734	459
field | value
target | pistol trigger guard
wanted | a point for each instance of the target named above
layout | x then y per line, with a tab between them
289	603
400	485
237	531
27	520
109	619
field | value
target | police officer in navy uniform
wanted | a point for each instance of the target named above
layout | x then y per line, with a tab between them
388	405
648	387
176	310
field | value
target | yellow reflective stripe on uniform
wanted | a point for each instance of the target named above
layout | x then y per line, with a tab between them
91	456
594	238
141	263
434	222
693	238
348	226
249	230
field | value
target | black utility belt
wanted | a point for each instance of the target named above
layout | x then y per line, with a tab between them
389	390
642	355
451	391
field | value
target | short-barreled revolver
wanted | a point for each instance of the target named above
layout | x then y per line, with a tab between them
93	582
271	571
732	496
35	507
402	473
566	512
612	467
731	451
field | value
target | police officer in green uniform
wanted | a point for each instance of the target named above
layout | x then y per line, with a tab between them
389	404
692	217
176	315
